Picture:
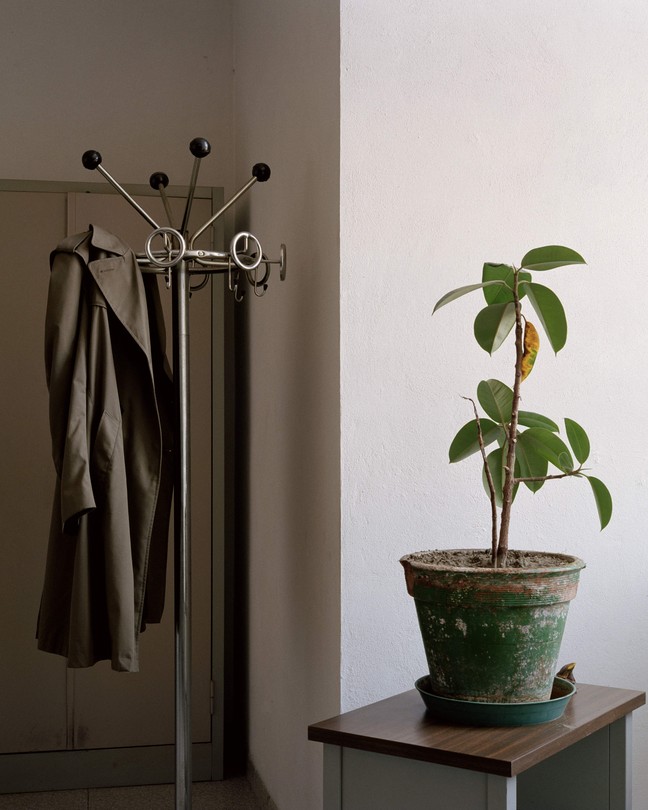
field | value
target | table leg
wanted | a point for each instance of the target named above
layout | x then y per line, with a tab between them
501	792
621	764
332	777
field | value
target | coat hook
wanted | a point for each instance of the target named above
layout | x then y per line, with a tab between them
260	173
199	148
92	160
159	181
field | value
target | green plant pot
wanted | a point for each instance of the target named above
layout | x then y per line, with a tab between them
492	634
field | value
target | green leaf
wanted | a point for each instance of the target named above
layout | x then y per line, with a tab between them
603	500
546	258
530	419
578	440
466	442
496	399
529	462
496	460
503	273
493	324
550	312
546	444
454	294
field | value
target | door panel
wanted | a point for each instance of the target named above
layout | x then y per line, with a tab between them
32	684
45	706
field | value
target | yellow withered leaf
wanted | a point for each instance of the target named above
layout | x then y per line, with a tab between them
531	346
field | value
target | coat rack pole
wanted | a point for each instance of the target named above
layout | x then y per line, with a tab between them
182	536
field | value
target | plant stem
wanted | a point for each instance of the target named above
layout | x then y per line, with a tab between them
548	477
491	483
509	467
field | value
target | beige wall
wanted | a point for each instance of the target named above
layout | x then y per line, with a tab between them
287	114
134	80
137	81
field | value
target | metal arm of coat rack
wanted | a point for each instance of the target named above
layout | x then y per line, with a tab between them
178	259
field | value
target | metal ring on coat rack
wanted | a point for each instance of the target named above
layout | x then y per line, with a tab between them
239	254
172	259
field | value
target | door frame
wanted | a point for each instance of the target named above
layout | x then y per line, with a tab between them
155	764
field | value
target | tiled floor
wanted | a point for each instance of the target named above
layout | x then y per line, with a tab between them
232	794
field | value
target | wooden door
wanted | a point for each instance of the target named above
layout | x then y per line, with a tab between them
46	707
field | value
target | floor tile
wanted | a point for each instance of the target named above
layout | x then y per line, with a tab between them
231	794
150	797
56	800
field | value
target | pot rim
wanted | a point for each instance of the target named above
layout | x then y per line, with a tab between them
571	562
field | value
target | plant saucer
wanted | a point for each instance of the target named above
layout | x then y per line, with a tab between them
475	713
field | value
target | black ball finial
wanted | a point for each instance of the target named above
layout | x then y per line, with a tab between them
91	159
159	180
199	147
261	171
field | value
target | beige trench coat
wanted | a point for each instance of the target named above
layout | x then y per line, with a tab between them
111	426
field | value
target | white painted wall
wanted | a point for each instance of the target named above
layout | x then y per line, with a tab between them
287	114
472	132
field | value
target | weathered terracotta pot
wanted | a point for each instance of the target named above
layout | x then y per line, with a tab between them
492	634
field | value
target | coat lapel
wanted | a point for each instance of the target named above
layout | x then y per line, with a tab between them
117	275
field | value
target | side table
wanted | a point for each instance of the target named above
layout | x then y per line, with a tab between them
394	755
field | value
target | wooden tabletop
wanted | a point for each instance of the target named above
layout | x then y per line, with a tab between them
401	726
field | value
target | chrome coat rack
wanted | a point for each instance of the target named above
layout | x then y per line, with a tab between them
171	252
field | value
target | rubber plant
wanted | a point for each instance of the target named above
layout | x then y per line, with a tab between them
526	442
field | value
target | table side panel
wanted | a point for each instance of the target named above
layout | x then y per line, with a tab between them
372	782
576	778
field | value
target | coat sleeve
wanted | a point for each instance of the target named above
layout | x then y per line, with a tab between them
66	373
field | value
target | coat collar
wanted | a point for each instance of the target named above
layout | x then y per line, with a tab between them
89	242
104	240
92	240
113	266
